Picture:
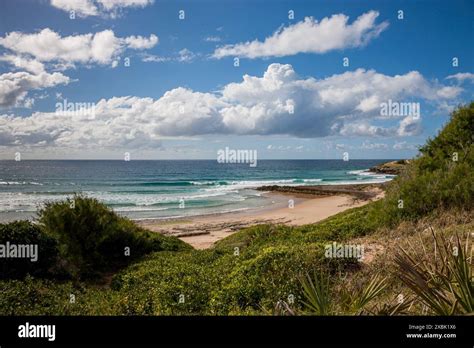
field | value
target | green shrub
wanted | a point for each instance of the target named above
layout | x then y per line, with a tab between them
170	284
272	275
251	240
436	179
33	296
456	136
351	223
93	239
26	233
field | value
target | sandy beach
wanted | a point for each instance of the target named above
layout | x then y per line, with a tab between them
309	206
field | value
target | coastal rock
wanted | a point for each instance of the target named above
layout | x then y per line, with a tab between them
392	168
361	191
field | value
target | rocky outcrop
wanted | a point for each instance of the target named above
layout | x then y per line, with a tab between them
393	168
362	191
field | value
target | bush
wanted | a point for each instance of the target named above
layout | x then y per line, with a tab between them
258	283
436	179
93	239
252	239
33	296
26	233
170	283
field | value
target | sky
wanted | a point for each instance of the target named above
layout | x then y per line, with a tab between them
95	79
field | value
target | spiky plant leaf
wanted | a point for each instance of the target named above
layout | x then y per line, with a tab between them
443	283
317	294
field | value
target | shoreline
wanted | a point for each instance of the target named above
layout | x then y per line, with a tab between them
310	206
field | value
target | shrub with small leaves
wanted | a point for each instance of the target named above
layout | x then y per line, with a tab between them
25	233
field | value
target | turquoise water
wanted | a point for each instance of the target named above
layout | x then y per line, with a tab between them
155	189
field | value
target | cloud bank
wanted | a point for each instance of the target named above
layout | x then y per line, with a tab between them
279	102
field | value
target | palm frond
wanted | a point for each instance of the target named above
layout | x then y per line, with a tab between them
317	294
373	289
444	283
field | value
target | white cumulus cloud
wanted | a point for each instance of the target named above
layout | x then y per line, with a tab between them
141	43
27	64
310	36
48	46
14	87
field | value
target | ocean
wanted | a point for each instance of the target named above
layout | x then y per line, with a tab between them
165	189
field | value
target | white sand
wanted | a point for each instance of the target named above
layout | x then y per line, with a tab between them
203	231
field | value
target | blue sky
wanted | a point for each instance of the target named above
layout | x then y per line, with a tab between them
336	108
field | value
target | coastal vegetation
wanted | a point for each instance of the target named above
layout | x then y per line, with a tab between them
417	254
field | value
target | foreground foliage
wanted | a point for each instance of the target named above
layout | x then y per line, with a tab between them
79	238
25	233
443	282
